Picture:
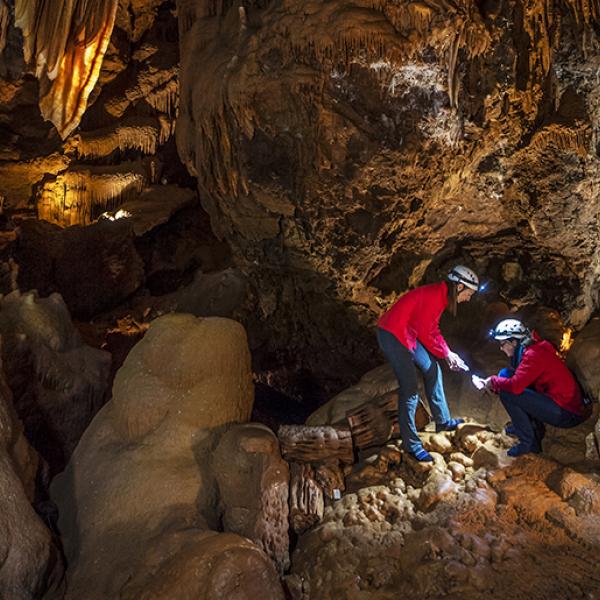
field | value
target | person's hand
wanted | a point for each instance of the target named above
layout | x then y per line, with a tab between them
487	384
455	362
478	382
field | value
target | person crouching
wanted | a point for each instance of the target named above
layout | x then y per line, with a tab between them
537	389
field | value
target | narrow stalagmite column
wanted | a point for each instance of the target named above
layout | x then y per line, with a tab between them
306	498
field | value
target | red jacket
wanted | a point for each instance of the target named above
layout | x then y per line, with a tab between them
542	369
416	316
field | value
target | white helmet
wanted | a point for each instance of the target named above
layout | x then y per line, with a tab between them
509	328
464	275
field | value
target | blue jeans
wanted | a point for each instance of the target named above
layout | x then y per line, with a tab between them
403	363
529	410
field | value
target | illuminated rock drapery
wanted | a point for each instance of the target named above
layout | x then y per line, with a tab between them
123	140
66	41
353	149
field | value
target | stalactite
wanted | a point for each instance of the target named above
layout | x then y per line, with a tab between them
563	138
585	11
165	99
78	197
186	15
4	20
452	59
158	88
136	134
415	16
67	40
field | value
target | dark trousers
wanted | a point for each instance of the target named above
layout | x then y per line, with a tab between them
530	410
404	363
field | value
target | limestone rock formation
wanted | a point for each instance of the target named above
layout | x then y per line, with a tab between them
140	477
360	148
105	76
94	268
204	565
66	43
58	382
423	531
30	563
583	359
253	483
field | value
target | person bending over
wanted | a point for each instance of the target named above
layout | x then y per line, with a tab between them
538	388
409	336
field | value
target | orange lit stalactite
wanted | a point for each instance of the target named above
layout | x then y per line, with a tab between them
68	68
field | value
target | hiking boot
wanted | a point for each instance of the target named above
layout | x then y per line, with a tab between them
450	425
520	449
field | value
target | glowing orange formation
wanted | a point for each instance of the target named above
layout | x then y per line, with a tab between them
68	41
567	341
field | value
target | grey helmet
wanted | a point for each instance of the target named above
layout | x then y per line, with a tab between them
509	328
464	275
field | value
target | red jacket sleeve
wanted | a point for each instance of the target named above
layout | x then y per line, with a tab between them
527	372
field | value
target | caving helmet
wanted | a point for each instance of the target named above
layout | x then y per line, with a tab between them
509	328
464	275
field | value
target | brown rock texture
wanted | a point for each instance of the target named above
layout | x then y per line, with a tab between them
253	483
58	382
94	268
30	563
428	531
67	43
350	150
140	477
205	566
583	360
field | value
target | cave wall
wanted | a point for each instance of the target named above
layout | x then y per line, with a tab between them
88	101
350	150
345	150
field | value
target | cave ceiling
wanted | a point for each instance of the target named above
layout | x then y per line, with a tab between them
345	150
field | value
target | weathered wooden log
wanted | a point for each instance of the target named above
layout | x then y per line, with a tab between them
374	422
331	478
311	444
306	498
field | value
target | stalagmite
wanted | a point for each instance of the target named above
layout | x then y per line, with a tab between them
306	498
67	41
303	443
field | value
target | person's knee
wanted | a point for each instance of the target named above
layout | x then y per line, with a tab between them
506	372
